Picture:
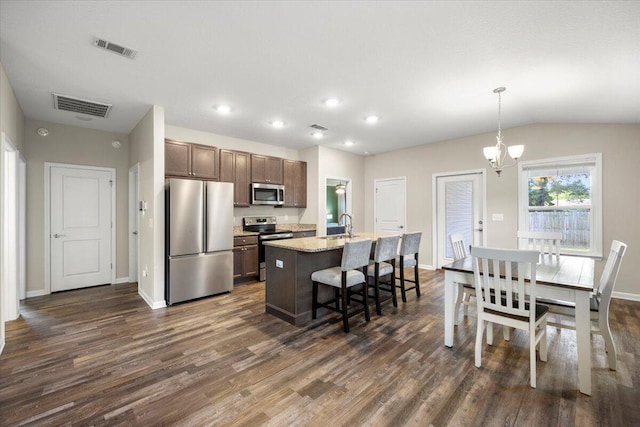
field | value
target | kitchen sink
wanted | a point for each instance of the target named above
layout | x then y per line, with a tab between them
336	236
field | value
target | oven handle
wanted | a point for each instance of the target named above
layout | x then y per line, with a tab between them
277	236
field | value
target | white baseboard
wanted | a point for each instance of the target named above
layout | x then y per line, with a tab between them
38	293
120	280
426	267
626	295
153	304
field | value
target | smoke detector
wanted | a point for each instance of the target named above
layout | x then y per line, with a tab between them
115	48
82	106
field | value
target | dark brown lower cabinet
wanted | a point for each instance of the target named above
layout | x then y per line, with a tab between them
245	257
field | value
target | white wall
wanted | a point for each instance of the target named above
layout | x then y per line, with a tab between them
620	145
147	148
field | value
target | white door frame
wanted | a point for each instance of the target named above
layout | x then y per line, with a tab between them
375	201
434	206
22	227
47	218
134	241
11	223
322	206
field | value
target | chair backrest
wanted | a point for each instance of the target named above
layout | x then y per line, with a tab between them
386	248
355	254
457	244
547	242
611	268
500	280
410	243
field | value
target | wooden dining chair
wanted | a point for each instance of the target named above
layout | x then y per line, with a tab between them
547	242
465	291
352	272
503	300
560	311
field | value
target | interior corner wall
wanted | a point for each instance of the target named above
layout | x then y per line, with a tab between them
12	124
71	145
147	150
311	215
621	155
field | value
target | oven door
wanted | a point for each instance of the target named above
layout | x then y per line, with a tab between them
261	253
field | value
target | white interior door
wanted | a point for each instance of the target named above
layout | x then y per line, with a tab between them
80	227
390	205
459	209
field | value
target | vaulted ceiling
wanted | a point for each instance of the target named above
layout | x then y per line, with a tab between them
427	69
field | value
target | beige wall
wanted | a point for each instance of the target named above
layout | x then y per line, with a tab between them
147	150
619	145
78	146
12	124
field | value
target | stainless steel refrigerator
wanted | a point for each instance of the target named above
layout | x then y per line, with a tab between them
198	239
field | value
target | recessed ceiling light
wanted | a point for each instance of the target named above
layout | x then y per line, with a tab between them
223	109
116	144
317	135
277	123
43	131
372	119
349	143
332	102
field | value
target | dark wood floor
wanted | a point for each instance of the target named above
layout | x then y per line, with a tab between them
100	356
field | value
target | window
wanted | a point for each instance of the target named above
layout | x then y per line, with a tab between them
564	194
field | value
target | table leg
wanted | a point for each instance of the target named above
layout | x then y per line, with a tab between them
450	295
583	338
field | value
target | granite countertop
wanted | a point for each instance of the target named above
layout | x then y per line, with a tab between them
318	244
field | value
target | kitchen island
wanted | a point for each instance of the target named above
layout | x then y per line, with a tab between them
289	264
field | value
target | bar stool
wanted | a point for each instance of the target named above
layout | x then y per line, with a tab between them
386	250
355	256
409	248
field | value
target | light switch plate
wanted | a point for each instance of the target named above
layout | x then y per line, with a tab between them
497	217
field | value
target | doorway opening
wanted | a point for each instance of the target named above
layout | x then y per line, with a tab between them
338	203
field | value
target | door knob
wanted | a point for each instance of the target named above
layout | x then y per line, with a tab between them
134	233
401	226
59	235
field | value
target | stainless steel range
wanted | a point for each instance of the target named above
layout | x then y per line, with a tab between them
267	227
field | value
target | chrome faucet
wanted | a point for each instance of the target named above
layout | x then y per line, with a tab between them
349	228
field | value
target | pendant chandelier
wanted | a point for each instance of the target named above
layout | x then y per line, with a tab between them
341	188
496	154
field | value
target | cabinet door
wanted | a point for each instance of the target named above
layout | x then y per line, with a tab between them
258	168
251	260
274	170
242	179
289	168
238	262
203	161
301	184
227	173
177	158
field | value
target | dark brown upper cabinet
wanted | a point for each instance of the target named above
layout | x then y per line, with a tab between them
295	184
266	169
235	166
183	159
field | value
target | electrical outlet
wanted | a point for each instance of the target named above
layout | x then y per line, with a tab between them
279	263
145	273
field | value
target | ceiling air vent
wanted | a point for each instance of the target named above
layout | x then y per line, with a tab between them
318	127
120	50
82	106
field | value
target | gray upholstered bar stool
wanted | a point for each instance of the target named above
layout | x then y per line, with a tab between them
409	248
355	257
383	264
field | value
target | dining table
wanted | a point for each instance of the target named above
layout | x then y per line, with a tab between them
564	277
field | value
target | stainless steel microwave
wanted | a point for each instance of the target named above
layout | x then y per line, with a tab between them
267	194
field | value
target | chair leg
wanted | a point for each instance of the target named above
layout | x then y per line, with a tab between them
479	333
393	287
532	354
314	300
467	299
365	296
543	341
459	301
605	330
403	292
416	275
506	332
345	316
489	333
376	289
